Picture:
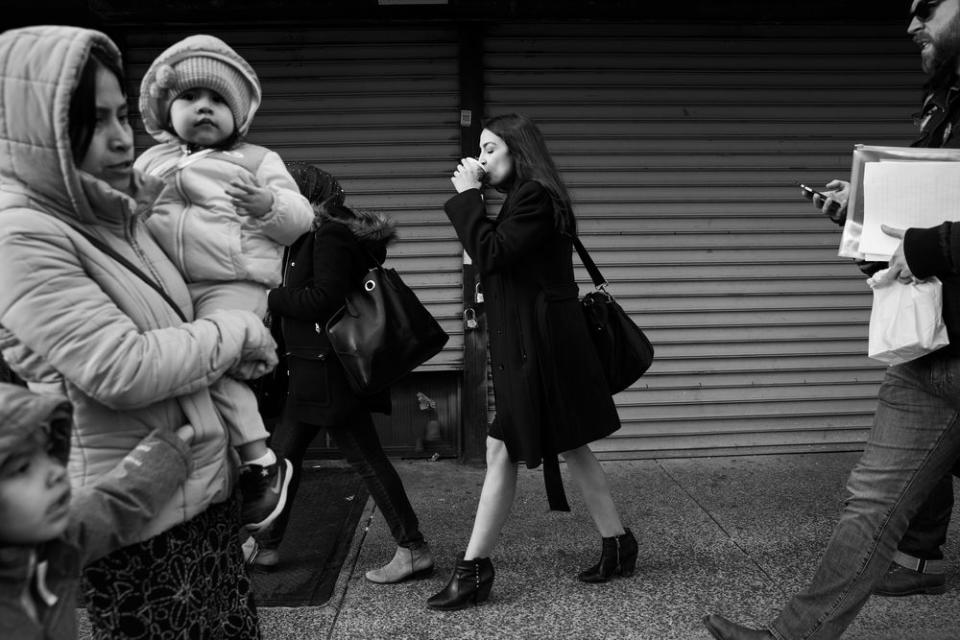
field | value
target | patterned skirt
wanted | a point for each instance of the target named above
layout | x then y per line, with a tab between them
188	582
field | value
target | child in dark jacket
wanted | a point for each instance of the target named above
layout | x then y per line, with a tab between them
46	537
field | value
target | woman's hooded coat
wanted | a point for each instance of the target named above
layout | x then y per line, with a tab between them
323	267
122	355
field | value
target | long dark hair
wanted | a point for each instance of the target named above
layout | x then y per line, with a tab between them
532	161
83	103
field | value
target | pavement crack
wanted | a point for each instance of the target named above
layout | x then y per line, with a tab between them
720	526
350	563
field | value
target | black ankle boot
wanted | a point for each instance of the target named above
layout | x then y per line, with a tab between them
619	556
470	583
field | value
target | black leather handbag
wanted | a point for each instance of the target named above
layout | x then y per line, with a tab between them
625	352
383	332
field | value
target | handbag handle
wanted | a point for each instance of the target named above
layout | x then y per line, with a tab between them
598	280
110	251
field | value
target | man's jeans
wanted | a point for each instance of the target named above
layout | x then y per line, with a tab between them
928	529
913	444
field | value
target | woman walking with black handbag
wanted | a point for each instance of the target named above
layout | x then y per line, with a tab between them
550	392
323	266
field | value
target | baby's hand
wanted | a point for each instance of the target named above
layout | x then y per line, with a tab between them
252	369
249	197
259	354
186	433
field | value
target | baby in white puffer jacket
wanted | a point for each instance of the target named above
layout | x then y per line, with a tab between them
224	217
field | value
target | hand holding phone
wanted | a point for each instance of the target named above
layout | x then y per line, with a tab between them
833	210
809	192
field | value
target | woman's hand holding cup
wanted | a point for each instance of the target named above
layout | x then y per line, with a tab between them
468	175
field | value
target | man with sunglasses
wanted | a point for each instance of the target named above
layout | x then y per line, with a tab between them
915	439
918	566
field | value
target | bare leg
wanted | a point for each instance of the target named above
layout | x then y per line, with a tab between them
496	498
590	477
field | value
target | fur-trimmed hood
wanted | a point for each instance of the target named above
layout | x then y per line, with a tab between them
374	231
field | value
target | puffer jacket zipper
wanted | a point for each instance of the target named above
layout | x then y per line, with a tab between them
178	235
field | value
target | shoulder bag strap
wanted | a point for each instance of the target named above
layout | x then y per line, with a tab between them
375	264
107	249
595	275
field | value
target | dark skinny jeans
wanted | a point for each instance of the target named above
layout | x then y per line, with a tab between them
359	443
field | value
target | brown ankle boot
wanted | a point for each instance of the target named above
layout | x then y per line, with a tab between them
407	563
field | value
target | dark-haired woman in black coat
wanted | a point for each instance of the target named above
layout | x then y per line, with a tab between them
551	395
323	267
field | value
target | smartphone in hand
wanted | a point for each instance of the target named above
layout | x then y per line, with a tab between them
835	211
812	192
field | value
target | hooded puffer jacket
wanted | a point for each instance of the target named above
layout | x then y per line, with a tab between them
128	363
194	219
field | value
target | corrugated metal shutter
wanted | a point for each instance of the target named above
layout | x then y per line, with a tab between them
682	146
378	108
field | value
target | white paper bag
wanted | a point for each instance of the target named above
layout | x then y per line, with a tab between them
906	320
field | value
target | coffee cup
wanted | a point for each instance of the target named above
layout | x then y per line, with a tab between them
478	171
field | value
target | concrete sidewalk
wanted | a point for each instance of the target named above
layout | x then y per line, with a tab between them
733	535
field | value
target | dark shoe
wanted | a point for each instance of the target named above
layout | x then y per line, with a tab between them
259	557
470	584
722	629
407	563
617	557
901	581
264	493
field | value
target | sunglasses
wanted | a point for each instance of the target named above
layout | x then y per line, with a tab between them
924	9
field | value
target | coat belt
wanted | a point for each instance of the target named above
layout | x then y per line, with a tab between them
560	292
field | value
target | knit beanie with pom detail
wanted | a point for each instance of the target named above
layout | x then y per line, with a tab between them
199	61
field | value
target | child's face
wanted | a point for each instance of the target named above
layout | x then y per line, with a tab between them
201	117
34	498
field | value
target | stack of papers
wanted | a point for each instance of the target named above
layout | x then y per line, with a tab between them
901	187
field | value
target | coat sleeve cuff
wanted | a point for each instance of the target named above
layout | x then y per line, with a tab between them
180	449
927	251
463	202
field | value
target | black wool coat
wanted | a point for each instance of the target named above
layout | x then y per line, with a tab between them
551	394
324	265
